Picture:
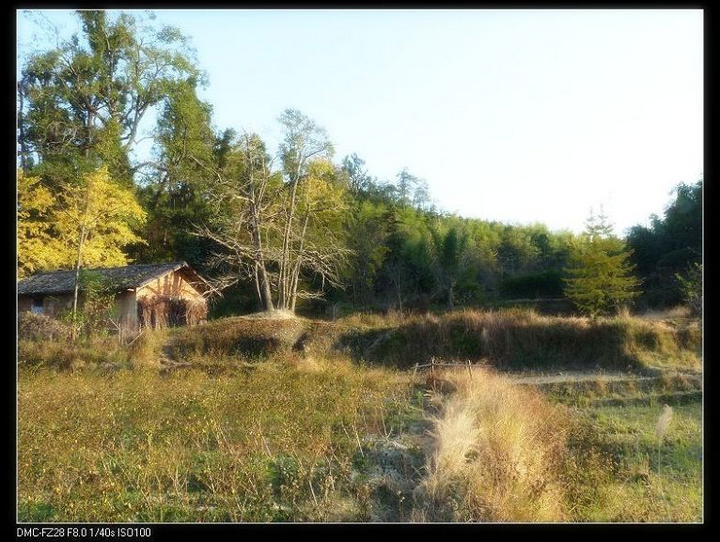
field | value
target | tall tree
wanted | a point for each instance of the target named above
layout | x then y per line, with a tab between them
367	231
413	190
669	245
450	254
186	150
85	100
359	179
407	273
600	274
303	141
281	228
244	218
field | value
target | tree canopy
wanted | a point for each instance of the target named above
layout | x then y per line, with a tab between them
288	228
601	276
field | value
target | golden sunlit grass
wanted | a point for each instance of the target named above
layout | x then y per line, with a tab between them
497	456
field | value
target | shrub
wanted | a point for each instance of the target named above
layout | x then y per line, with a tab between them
41	327
691	284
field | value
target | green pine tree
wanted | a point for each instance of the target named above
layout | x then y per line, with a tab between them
600	273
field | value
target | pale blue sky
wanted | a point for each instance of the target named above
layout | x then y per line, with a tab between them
513	115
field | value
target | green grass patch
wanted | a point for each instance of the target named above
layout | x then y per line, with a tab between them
624	472
276	444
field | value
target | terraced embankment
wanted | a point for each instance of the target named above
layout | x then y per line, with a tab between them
618	388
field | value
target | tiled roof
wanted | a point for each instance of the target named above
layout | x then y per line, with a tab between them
121	278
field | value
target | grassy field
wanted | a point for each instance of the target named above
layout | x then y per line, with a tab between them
234	421
275	443
652	478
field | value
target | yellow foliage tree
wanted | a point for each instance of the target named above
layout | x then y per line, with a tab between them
93	218
39	247
85	225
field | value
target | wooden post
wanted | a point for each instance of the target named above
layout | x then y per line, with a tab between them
469	366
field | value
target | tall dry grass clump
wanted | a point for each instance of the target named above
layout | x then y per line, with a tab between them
497	455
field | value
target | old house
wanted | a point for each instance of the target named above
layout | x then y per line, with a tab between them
146	295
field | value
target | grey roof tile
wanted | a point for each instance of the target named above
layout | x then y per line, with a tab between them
122	278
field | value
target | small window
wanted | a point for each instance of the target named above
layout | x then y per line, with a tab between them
37	306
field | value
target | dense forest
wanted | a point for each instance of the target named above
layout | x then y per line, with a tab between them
299	229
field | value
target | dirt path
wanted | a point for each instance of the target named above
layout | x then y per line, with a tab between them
576	376
562	377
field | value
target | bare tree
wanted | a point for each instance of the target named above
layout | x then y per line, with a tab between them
244	217
277	228
303	141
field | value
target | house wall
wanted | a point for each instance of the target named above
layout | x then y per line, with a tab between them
24	303
52	305
158	311
56	304
126	306
126	303
172	285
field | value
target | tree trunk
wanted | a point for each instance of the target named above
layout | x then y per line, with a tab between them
285	277
261	276
262	286
296	271
76	286
78	263
89	132
21	126
265	290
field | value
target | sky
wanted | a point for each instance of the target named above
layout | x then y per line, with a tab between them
519	116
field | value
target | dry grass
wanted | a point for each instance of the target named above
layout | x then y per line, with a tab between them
506	339
64	356
497	456
239	337
279	434
522	339
679	312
